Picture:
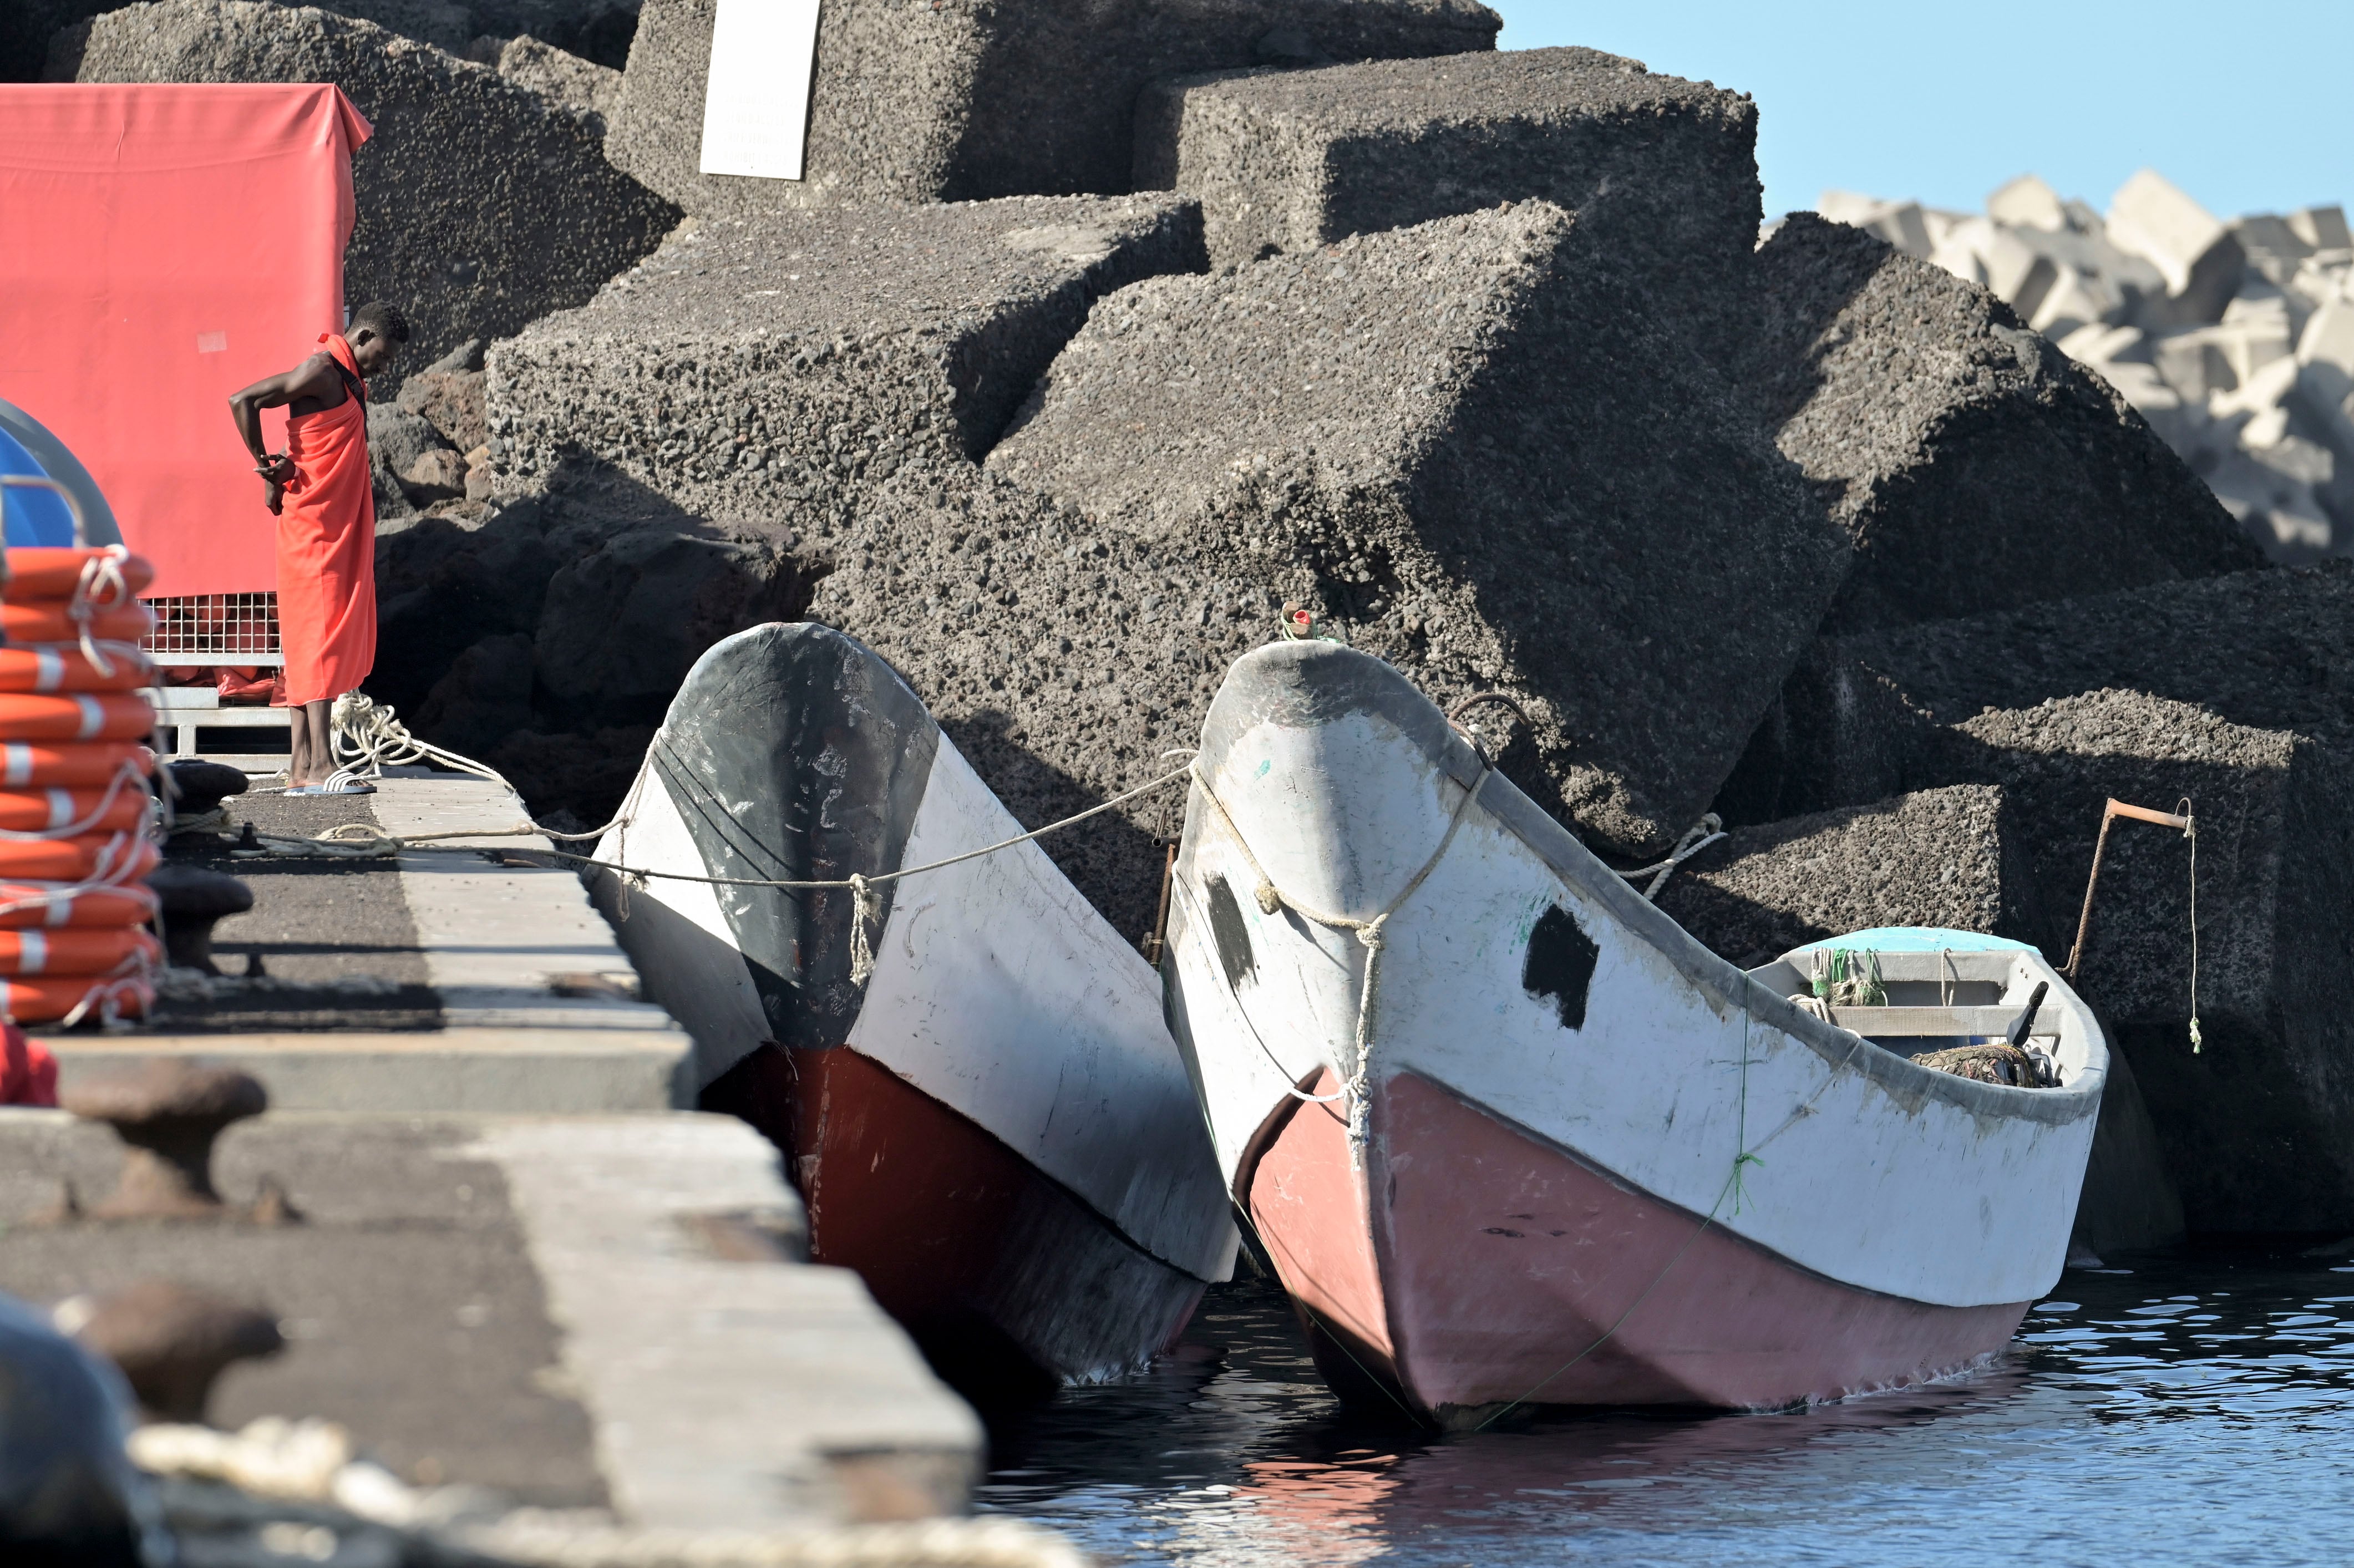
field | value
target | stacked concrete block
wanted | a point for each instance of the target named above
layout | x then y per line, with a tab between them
2257	1121
766	370
2027	202
1290	161
2231	693
2208	328
1470	447
961	101
2198	257
1946	858
559	76
2272	649
481	206
1971	463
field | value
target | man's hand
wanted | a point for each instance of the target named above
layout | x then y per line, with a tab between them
276	497
276	467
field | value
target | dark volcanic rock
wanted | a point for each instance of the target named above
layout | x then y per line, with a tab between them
1471	445
1289	161
481	206
68	1493
1975	466
484	700
763	369
448	396
441	587
1947	858
961	103
627	619
397	440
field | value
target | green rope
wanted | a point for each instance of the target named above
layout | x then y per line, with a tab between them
1740	1154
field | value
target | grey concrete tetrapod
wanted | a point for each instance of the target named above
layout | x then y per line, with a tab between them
169	1113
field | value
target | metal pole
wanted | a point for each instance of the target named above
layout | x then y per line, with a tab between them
2110	814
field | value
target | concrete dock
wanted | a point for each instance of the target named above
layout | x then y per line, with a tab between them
560	1317
469	977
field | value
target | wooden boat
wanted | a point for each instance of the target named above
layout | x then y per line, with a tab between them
994	1128
1551	1151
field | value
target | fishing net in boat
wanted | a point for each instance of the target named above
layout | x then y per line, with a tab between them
1847	977
1995	1064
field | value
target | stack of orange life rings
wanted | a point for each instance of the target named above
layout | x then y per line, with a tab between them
76	821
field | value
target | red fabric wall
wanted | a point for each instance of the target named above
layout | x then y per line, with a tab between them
160	247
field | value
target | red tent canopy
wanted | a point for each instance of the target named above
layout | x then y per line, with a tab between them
160	247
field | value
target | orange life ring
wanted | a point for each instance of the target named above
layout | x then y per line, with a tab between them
81	716
84	810
48	622
90	951
30	765
68	669
47	905
76	860
53	997
39	573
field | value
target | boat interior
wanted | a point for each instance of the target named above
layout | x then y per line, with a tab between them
2000	1015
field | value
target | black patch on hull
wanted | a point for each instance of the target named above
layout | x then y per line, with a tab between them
1231	934
1560	965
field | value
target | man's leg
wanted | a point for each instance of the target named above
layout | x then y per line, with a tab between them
314	754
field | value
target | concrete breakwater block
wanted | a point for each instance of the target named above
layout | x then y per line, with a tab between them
962	102
1447	441
1974	465
765	368
2271	648
482	206
1948	858
2265	648
449	1296
1062	658
1292	160
2258	1124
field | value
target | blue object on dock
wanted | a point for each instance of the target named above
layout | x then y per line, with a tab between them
1919	939
41	516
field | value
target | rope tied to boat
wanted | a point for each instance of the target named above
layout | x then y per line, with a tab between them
1709	829
1368	930
866	905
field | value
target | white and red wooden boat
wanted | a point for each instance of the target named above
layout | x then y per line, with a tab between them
1579	1159
994	1128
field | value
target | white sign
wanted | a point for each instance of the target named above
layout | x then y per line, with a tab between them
755	105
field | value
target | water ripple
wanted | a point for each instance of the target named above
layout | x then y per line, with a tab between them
2185	1411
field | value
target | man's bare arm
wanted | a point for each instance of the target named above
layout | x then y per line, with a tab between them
315	377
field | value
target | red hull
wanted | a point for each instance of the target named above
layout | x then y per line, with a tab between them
1498	1269
1005	1278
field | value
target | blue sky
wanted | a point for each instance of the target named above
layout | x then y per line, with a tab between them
2248	106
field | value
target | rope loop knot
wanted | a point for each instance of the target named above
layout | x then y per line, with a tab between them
866	905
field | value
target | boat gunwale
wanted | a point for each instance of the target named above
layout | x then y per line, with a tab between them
1314	684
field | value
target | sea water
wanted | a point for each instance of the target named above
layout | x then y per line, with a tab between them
2178	1411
